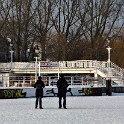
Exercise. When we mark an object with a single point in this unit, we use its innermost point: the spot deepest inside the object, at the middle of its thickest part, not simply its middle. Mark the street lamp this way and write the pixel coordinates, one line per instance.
(36, 69)
(28, 54)
(11, 51)
(109, 57)
(37, 64)
(109, 49)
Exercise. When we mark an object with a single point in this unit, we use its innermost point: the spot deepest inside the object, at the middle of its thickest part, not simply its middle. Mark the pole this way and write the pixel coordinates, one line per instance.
(36, 69)
(11, 52)
(58, 69)
(109, 53)
(109, 59)
(39, 68)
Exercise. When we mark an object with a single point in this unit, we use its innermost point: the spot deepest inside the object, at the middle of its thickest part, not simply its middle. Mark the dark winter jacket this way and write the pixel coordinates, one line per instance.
(62, 85)
(39, 85)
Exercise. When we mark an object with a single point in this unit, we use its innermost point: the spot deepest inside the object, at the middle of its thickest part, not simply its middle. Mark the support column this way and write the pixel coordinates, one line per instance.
(72, 79)
(49, 81)
(95, 75)
(39, 68)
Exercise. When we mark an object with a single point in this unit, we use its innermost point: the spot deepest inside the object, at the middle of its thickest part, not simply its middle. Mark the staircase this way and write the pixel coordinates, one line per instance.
(103, 69)
(111, 70)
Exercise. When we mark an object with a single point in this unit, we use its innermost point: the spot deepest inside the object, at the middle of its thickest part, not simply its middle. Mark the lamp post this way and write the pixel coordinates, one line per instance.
(37, 64)
(108, 81)
(28, 55)
(11, 51)
(109, 49)
(36, 69)
(11, 56)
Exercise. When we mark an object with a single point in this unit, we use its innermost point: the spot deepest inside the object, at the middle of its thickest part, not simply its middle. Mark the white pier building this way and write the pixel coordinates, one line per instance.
(77, 72)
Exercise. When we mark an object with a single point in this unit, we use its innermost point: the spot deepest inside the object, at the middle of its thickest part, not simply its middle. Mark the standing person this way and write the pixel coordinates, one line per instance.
(62, 85)
(39, 85)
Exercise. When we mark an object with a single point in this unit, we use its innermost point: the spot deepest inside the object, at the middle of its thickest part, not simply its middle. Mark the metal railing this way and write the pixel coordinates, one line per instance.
(28, 81)
(102, 66)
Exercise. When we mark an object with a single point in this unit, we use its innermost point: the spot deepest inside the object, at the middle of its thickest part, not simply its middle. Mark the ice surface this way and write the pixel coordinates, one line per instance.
(81, 110)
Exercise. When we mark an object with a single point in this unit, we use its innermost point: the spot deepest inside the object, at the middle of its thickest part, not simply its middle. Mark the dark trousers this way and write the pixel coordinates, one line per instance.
(38, 99)
(64, 102)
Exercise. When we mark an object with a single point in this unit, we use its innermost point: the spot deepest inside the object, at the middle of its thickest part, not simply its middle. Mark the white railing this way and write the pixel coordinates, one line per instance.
(28, 81)
(115, 71)
(62, 64)
(100, 65)
(17, 65)
(78, 64)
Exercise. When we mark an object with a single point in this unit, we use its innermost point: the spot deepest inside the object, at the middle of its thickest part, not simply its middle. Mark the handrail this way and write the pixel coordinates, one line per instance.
(17, 65)
(78, 64)
(117, 69)
(103, 68)
(100, 65)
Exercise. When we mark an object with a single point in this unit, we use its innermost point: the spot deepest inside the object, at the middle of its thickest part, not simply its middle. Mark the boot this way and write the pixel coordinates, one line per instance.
(60, 105)
(64, 103)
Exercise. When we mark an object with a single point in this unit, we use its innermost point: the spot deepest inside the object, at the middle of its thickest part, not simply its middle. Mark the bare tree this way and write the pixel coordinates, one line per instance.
(19, 27)
(42, 24)
(99, 22)
(64, 19)
(5, 6)
(64, 29)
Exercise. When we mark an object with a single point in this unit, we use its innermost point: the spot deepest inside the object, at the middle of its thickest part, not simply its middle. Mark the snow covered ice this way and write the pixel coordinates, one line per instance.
(81, 110)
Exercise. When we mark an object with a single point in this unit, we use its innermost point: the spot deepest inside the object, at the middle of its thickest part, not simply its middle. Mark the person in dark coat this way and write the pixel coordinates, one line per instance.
(62, 85)
(39, 85)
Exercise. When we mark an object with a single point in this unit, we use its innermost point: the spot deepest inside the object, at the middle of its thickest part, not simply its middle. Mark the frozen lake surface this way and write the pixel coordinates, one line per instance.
(81, 110)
